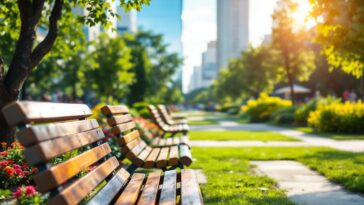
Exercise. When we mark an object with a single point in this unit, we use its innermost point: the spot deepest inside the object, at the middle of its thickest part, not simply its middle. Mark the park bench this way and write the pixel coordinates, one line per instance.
(163, 124)
(50, 130)
(171, 154)
(168, 117)
(173, 111)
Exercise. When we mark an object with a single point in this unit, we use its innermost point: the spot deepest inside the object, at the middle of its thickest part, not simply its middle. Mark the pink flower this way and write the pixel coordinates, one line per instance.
(18, 192)
(30, 190)
(3, 153)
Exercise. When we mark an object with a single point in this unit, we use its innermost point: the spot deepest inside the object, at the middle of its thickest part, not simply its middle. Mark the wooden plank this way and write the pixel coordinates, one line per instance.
(111, 189)
(176, 140)
(78, 190)
(162, 157)
(184, 140)
(169, 142)
(114, 110)
(150, 191)
(47, 150)
(151, 159)
(142, 156)
(119, 129)
(133, 154)
(24, 112)
(40, 133)
(169, 187)
(155, 141)
(119, 119)
(131, 191)
(190, 190)
(162, 142)
(173, 156)
(128, 147)
(60, 173)
(185, 155)
(129, 137)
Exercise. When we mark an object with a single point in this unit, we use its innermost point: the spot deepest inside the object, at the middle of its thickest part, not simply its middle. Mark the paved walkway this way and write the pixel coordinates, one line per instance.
(306, 139)
(304, 186)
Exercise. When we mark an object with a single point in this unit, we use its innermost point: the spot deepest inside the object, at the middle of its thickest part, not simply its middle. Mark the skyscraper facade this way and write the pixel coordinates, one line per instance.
(232, 29)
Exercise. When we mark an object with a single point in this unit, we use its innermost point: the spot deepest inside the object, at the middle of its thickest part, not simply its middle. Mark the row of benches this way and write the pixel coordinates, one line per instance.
(49, 130)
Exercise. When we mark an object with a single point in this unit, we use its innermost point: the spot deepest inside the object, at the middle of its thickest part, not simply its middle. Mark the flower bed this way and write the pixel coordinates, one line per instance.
(338, 118)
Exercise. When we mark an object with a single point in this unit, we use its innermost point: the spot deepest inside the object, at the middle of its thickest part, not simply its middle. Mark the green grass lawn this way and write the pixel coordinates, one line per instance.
(203, 122)
(238, 135)
(334, 136)
(231, 181)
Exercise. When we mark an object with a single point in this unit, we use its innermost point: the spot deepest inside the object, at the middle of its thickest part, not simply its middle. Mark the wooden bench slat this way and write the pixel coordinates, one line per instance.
(162, 158)
(169, 187)
(142, 156)
(131, 191)
(78, 190)
(114, 109)
(39, 133)
(176, 140)
(128, 137)
(150, 191)
(190, 190)
(155, 141)
(162, 142)
(128, 147)
(47, 150)
(150, 161)
(173, 156)
(169, 141)
(133, 154)
(111, 189)
(119, 129)
(184, 140)
(25, 112)
(118, 119)
(60, 173)
(185, 155)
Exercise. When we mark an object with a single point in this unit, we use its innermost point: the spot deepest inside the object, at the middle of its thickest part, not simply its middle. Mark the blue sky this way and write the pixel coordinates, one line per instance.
(163, 17)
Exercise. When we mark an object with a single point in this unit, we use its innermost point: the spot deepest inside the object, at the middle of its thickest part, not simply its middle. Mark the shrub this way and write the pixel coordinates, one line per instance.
(141, 109)
(284, 115)
(13, 168)
(339, 118)
(261, 109)
(302, 113)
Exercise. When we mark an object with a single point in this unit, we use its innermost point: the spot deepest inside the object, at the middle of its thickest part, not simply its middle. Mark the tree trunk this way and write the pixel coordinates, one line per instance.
(7, 132)
(291, 88)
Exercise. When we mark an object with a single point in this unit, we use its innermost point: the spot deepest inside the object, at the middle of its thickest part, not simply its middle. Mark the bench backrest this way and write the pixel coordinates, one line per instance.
(124, 130)
(160, 121)
(164, 113)
(50, 130)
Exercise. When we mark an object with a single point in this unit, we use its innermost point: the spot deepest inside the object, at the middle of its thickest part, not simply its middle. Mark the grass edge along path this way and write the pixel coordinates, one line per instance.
(230, 180)
(334, 136)
(244, 135)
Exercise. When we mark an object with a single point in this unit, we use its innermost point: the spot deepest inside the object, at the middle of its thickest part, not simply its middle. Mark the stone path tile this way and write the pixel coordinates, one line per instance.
(304, 186)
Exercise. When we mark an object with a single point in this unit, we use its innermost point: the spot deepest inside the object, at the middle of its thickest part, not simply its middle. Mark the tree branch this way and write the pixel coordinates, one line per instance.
(45, 46)
(2, 69)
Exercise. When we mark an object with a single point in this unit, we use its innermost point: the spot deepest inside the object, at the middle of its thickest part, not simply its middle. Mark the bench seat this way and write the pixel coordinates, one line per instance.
(161, 142)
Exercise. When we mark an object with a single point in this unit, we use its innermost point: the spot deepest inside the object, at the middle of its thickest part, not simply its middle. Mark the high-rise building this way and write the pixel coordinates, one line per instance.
(209, 64)
(127, 21)
(196, 79)
(232, 29)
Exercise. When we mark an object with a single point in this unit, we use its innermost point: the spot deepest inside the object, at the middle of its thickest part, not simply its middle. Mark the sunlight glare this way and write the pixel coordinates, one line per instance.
(302, 15)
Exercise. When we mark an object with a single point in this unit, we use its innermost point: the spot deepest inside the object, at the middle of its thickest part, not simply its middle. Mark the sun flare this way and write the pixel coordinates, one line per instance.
(302, 15)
